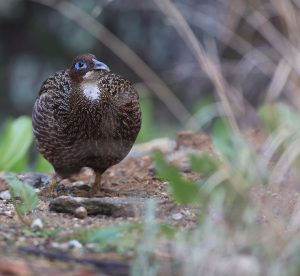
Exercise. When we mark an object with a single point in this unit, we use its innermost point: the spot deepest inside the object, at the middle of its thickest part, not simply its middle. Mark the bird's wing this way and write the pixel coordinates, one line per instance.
(53, 95)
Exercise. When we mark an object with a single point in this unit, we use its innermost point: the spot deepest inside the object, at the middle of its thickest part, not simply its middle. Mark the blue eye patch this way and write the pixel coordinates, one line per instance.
(79, 65)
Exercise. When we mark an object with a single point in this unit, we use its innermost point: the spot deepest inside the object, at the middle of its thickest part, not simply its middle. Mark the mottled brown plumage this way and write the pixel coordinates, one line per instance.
(85, 116)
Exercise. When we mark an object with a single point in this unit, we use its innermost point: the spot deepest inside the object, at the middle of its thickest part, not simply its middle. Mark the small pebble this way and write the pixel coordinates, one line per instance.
(80, 212)
(5, 195)
(74, 244)
(37, 224)
(177, 216)
(61, 246)
(9, 213)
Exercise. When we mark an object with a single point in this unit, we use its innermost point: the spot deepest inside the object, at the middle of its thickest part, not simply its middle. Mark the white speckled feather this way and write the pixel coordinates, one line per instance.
(91, 91)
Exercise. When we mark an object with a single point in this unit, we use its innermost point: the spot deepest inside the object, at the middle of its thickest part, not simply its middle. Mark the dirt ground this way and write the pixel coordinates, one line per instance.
(26, 253)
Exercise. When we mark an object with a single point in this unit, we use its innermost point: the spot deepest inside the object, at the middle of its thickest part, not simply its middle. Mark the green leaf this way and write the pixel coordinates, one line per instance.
(225, 141)
(203, 164)
(27, 195)
(168, 231)
(119, 238)
(183, 191)
(16, 141)
(42, 165)
(146, 133)
(21, 165)
(104, 234)
(239, 154)
(273, 116)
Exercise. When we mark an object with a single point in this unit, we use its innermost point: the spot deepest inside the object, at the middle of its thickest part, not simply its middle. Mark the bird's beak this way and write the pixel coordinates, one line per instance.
(98, 65)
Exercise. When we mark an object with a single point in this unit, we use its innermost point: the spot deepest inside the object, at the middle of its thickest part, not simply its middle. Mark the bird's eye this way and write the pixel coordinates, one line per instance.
(79, 65)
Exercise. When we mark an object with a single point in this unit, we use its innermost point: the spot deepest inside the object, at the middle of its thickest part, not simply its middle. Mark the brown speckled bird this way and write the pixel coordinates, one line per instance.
(86, 116)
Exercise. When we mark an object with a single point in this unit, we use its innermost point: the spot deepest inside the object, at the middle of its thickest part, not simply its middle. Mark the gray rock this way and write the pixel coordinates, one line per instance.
(165, 145)
(74, 244)
(37, 224)
(108, 206)
(177, 216)
(5, 195)
(36, 180)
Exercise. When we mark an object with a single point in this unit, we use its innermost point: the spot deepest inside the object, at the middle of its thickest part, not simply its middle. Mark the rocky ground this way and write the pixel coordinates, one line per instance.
(126, 188)
(51, 246)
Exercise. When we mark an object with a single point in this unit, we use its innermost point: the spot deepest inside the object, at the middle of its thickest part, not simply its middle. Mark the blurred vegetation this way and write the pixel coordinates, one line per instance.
(229, 212)
(24, 198)
(15, 142)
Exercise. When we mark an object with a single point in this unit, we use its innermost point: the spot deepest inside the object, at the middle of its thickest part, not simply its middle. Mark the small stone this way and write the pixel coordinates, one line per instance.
(37, 224)
(36, 242)
(165, 145)
(177, 216)
(36, 180)
(61, 246)
(74, 244)
(80, 212)
(9, 213)
(5, 195)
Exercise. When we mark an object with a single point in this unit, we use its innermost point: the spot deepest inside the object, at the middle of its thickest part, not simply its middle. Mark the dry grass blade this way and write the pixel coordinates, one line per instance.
(279, 81)
(285, 162)
(121, 50)
(253, 55)
(178, 21)
(285, 48)
(273, 142)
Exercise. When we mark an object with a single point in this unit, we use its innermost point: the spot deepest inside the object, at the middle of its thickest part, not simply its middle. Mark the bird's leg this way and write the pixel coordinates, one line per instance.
(96, 186)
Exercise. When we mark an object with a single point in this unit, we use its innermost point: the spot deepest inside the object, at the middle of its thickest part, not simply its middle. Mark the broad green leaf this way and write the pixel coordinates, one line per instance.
(16, 141)
(21, 165)
(183, 191)
(204, 164)
(26, 194)
(42, 165)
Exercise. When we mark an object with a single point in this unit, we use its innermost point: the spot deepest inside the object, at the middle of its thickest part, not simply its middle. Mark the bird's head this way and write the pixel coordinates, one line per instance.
(86, 67)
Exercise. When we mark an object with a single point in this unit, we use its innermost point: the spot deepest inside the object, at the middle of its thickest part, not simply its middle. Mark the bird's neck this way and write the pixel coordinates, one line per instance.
(90, 91)
(84, 95)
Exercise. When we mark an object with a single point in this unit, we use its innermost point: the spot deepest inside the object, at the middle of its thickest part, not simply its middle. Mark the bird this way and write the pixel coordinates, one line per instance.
(85, 116)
